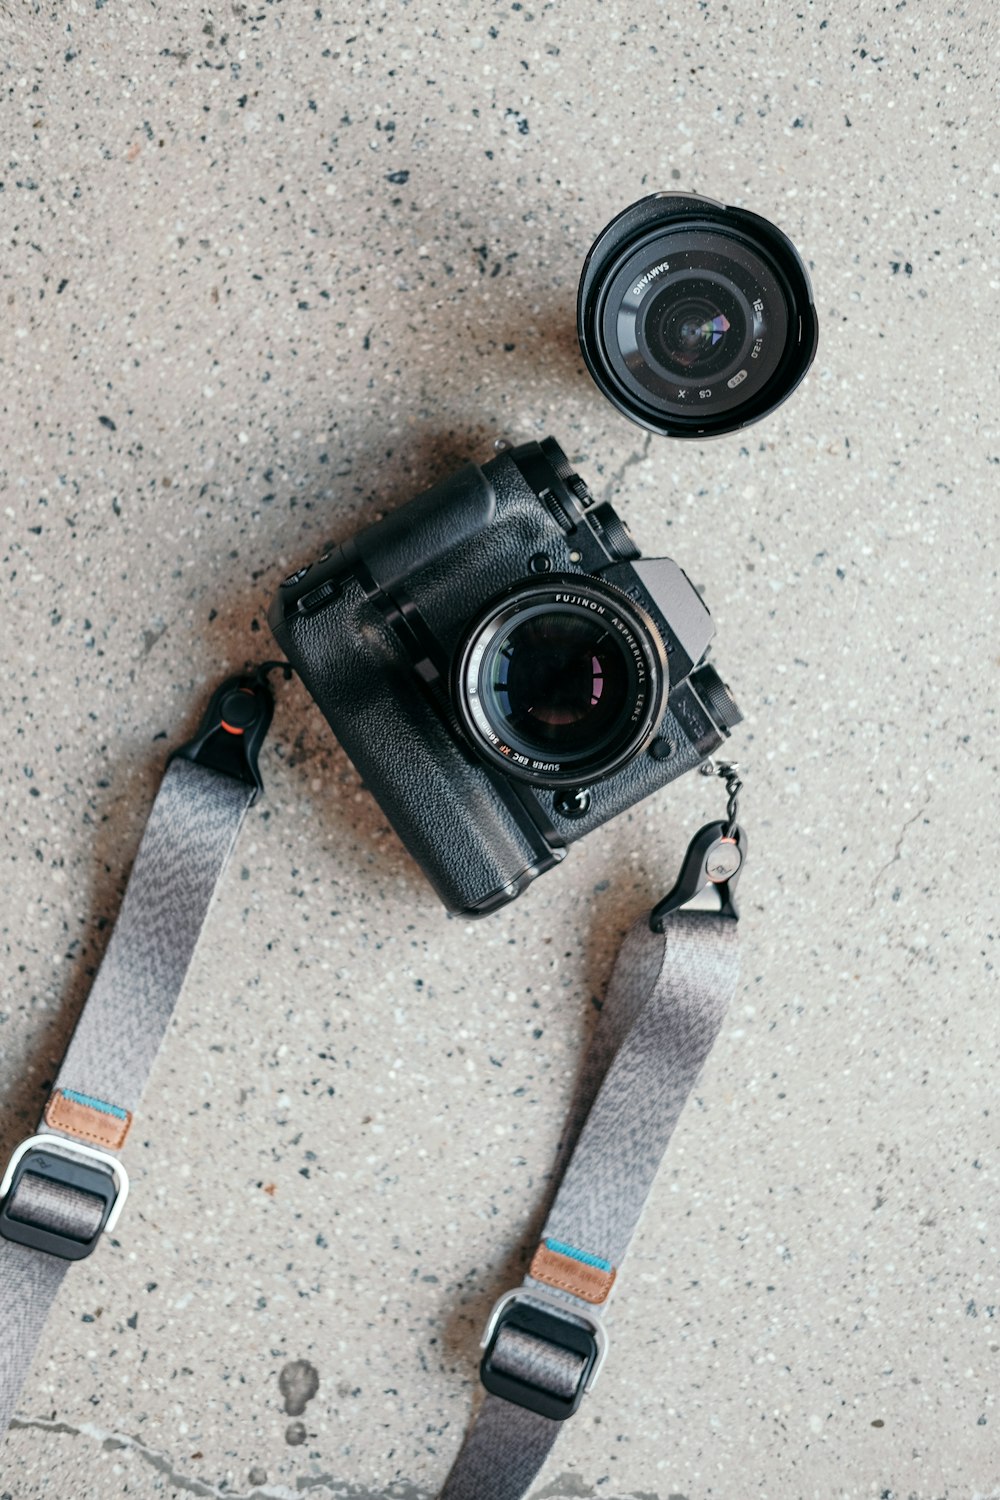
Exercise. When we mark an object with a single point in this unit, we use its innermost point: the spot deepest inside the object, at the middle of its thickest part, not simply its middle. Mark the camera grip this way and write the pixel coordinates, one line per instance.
(455, 511)
(442, 805)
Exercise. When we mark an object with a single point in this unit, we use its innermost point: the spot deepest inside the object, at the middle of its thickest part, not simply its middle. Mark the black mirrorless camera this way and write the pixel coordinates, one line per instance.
(503, 667)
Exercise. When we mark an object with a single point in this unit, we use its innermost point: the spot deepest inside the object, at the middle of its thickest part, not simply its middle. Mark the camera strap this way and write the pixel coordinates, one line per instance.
(65, 1186)
(546, 1341)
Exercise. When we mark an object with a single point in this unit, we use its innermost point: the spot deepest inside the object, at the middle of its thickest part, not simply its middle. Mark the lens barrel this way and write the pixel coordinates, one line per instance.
(561, 682)
(695, 319)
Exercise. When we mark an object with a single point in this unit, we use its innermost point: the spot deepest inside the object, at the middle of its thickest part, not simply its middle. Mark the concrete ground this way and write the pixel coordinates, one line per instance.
(268, 269)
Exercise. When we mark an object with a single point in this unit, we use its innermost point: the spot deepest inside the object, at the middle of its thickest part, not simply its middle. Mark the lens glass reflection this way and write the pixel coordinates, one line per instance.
(693, 329)
(559, 683)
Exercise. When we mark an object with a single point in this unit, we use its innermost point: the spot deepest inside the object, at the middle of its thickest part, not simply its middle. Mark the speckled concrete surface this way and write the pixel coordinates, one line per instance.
(269, 268)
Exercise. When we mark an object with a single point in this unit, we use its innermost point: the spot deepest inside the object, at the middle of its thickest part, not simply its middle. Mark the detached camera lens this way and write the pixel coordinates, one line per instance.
(561, 683)
(695, 319)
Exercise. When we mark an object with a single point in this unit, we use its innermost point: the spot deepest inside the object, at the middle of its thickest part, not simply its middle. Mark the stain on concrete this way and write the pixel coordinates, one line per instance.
(563, 1487)
(400, 1489)
(571, 1487)
(298, 1384)
(295, 1434)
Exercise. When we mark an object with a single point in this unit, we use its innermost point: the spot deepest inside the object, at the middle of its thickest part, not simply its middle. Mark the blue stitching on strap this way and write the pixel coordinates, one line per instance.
(559, 1248)
(92, 1103)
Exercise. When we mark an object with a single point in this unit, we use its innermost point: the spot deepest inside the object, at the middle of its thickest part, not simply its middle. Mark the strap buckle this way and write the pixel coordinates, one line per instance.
(83, 1170)
(551, 1326)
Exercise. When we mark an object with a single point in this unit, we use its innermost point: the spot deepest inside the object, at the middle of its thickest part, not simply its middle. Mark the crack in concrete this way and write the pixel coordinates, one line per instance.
(563, 1487)
(897, 851)
(162, 1463)
(114, 1441)
(611, 485)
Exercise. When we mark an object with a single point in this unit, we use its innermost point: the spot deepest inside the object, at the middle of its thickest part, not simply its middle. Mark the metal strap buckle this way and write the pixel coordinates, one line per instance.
(550, 1321)
(70, 1165)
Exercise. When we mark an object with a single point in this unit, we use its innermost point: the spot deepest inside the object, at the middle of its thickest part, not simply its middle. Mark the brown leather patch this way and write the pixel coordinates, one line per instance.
(85, 1122)
(589, 1283)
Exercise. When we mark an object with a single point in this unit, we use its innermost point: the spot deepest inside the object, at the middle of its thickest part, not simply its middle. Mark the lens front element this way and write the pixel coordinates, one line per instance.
(694, 322)
(561, 683)
(557, 681)
(688, 334)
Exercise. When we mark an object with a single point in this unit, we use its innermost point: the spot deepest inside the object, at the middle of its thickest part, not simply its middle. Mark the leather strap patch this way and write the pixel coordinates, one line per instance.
(589, 1279)
(88, 1119)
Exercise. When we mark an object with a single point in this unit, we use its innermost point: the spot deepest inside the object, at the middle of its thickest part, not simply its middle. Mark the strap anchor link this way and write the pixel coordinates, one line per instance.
(234, 725)
(714, 860)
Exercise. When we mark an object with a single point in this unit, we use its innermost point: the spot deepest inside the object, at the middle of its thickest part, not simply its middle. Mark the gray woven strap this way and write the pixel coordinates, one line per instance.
(688, 974)
(29, 1281)
(668, 995)
(505, 1449)
(185, 848)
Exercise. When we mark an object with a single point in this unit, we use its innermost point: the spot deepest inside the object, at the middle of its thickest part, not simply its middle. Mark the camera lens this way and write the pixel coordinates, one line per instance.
(561, 683)
(694, 318)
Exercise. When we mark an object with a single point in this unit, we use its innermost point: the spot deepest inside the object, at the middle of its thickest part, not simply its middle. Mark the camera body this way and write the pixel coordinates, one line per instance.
(404, 637)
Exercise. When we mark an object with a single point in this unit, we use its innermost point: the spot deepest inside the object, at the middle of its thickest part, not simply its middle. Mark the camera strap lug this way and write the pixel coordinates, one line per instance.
(65, 1186)
(714, 860)
(709, 875)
